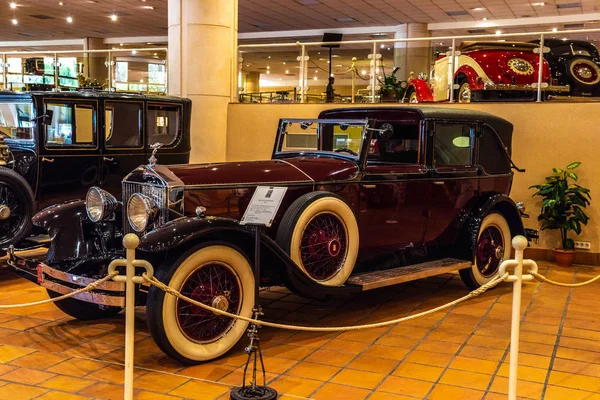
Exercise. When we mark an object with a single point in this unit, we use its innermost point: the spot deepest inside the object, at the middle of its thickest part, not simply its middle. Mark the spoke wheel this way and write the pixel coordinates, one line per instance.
(464, 93)
(491, 248)
(214, 274)
(16, 207)
(585, 72)
(324, 246)
(412, 98)
(218, 286)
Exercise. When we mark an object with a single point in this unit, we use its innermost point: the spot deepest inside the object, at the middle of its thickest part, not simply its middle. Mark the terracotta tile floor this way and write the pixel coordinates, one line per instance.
(461, 353)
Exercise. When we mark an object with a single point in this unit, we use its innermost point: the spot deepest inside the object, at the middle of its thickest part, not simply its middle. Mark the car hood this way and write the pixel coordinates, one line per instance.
(282, 171)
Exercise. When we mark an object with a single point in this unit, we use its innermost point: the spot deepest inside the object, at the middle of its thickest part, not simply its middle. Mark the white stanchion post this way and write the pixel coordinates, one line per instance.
(519, 243)
(130, 242)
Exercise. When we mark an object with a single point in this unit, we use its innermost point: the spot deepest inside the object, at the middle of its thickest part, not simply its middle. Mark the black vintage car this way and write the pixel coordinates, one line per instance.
(54, 146)
(373, 197)
(575, 63)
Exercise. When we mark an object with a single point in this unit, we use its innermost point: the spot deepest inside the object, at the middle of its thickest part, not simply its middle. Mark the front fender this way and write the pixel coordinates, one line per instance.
(190, 231)
(64, 224)
(422, 90)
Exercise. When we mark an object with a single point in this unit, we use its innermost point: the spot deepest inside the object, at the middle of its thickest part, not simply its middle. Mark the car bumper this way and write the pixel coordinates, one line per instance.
(108, 293)
(527, 88)
(507, 92)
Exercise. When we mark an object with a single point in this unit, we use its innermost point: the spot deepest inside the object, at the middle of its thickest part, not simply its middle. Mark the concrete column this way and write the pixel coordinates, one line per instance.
(412, 56)
(94, 66)
(203, 66)
(252, 82)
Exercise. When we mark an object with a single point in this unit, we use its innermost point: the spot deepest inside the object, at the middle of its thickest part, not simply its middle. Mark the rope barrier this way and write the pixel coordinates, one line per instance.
(494, 282)
(88, 288)
(542, 278)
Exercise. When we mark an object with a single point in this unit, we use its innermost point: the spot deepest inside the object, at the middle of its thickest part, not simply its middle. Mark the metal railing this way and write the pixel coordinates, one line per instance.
(375, 56)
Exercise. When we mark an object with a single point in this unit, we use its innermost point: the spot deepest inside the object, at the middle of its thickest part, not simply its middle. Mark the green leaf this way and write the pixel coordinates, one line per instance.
(557, 170)
(572, 175)
(573, 165)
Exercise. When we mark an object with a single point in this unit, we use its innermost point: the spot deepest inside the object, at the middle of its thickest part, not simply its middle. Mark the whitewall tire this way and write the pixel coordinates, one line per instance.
(215, 274)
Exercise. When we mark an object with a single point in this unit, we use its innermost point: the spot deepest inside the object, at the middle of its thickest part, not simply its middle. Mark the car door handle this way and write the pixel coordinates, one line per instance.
(50, 160)
(369, 186)
(109, 159)
(438, 182)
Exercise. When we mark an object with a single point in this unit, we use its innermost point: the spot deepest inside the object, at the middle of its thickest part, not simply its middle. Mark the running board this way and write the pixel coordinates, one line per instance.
(388, 277)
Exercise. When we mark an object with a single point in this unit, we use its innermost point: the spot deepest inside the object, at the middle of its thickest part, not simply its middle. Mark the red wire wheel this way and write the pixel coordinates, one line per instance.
(585, 71)
(324, 246)
(215, 285)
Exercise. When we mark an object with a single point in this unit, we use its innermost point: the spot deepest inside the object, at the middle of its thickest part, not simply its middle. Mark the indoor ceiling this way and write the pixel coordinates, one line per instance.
(47, 19)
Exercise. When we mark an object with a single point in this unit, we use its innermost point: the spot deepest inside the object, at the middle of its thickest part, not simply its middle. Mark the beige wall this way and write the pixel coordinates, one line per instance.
(546, 135)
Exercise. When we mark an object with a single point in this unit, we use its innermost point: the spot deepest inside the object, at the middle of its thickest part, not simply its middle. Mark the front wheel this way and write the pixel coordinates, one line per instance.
(411, 96)
(17, 205)
(464, 92)
(215, 274)
(492, 247)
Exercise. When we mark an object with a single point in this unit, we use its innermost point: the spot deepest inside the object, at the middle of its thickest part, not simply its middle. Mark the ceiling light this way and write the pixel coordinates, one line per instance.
(61, 3)
(113, 17)
(554, 29)
(120, 44)
(268, 67)
(141, 81)
(389, 48)
(134, 52)
(268, 72)
(484, 18)
(13, 5)
(156, 54)
(498, 32)
(70, 19)
(478, 9)
(345, 19)
(315, 78)
(538, 4)
(287, 71)
(363, 72)
(14, 21)
(382, 46)
(564, 39)
(148, 7)
(284, 63)
(269, 57)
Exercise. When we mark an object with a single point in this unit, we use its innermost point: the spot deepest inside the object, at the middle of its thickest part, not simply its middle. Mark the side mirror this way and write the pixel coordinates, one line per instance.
(45, 119)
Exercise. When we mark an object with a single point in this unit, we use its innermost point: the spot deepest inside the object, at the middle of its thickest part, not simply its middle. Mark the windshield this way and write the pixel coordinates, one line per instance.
(318, 135)
(15, 120)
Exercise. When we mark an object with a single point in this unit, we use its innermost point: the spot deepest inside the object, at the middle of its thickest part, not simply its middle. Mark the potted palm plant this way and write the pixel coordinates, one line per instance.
(563, 205)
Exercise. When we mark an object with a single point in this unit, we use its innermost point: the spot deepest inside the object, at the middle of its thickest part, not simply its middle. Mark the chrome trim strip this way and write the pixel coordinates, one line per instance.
(114, 301)
(78, 280)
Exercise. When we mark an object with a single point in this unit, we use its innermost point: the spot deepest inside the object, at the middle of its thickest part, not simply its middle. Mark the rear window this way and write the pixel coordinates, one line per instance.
(491, 155)
(163, 124)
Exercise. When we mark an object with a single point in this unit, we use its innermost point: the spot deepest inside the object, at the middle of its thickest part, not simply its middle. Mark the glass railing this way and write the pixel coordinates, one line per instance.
(557, 65)
(119, 69)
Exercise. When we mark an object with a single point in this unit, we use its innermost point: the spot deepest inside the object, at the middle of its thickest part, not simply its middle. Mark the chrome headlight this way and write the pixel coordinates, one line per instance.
(141, 212)
(99, 204)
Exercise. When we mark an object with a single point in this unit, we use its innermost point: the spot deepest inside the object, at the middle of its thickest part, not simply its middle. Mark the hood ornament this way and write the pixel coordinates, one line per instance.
(152, 161)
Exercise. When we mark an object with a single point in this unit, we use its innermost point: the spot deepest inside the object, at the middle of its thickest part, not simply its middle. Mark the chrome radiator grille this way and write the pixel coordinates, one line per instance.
(156, 193)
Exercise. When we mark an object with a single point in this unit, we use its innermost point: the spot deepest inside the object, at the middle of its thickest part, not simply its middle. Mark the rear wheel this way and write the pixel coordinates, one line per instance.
(492, 247)
(216, 275)
(17, 205)
(584, 73)
(411, 96)
(464, 92)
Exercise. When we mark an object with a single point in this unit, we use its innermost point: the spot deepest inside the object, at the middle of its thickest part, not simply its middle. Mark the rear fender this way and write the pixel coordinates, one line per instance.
(466, 71)
(422, 90)
(276, 265)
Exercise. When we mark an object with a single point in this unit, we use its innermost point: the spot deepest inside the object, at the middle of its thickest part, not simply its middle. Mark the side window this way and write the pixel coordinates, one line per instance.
(452, 144)
(398, 144)
(72, 125)
(162, 124)
(123, 121)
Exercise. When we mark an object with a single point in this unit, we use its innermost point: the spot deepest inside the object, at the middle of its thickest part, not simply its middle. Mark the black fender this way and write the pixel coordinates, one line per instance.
(185, 232)
(496, 203)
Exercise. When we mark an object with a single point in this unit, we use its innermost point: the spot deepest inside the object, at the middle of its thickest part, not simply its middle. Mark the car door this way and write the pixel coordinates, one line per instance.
(394, 190)
(123, 144)
(453, 173)
(69, 156)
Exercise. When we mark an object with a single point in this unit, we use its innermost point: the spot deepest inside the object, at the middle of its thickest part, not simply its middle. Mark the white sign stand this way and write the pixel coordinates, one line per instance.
(263, 206)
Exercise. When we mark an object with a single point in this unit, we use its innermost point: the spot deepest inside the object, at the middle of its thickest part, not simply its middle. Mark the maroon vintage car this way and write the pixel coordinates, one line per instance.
(486, 71)
(375, 197)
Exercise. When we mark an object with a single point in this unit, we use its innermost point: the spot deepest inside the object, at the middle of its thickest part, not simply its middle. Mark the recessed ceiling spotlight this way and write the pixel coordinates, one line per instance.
(268, 72)
(113, 17)
(70, 19)
(120, 44)
(287, 71)
(382, 46)
(134, 52)
(148, 7)
(60, 3)
(478, 9)
(554, 29)
(13, 5)
(484, 18)
(498, 32)
(564, 39)
(269, 57)
(538, 4)
(14, 21)
(284, 63)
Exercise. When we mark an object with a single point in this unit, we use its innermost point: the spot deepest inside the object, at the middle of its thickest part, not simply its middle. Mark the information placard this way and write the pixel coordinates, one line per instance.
(263, 206)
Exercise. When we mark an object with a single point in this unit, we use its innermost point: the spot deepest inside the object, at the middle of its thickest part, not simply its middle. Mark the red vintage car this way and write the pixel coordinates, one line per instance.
(485, 71)
(375, 197)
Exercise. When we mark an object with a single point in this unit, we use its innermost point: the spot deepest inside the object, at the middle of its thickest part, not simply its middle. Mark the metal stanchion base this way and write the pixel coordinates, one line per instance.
(260, 393)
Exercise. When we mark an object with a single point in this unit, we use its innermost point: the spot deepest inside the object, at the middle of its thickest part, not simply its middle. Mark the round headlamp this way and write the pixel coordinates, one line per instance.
(141, 212)
(99, 204)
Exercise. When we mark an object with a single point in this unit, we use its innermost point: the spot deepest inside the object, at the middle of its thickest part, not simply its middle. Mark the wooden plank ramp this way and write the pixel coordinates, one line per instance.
(388, 277)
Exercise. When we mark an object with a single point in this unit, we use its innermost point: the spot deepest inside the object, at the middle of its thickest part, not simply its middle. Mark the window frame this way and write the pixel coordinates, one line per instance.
(179, 137)
(141, 125)
(420, 149)
(73, 103)
(472, 145)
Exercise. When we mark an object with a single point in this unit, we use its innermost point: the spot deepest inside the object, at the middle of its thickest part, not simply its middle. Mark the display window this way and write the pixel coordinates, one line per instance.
(71, 125)
(163, 124)
(123, 124)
